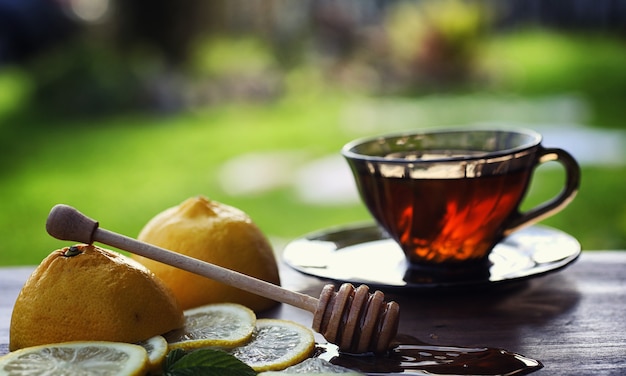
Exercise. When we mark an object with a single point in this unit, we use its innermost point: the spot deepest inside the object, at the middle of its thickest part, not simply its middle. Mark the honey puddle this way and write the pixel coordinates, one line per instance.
(413, 357)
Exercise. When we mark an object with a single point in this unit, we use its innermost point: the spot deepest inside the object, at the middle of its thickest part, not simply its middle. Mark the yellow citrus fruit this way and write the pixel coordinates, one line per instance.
(275, 345)
(216, 233)
(77, 358)
(157, 349)
(223, 325)
(87, 293)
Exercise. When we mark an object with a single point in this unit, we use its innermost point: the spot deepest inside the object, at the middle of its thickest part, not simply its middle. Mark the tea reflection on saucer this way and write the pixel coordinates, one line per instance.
(363, 253)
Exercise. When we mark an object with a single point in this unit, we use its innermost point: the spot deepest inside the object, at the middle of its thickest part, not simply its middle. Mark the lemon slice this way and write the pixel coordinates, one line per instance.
(275, 345)
(313, 366)
(77, 358)
(157, 349)
(223, 325)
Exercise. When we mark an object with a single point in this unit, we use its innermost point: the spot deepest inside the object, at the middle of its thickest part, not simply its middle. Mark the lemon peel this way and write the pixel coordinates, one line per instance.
(85, 358)
(88, 293)
(157, 349)
(217, 233)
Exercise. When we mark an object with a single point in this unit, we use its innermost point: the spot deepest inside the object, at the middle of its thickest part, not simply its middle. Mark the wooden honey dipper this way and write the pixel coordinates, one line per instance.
(351, 318)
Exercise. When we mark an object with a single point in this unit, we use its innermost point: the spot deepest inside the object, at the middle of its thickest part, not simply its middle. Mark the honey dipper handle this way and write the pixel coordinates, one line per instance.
(66, 223)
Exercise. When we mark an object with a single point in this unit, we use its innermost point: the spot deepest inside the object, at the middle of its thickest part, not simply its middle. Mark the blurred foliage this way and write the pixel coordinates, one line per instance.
(15, 90)
(164, 58)
(231, 56)
(437, 43)
(121, 131)
(84, 79)
(172, 58)
(123, 170)
(539, 63)
(226, 69)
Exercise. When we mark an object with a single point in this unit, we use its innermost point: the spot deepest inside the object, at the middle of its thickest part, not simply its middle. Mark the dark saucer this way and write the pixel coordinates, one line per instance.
(363, 253)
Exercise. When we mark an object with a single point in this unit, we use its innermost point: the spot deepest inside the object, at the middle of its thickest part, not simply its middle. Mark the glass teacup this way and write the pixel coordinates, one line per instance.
(447, 197)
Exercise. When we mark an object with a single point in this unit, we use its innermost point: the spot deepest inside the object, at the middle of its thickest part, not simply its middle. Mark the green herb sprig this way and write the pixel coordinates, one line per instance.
(204, 362)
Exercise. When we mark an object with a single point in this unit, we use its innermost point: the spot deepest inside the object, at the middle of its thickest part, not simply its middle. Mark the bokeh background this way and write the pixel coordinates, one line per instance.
(124, 108)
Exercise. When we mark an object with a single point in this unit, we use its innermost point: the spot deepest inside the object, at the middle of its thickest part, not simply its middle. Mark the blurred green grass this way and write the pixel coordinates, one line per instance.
(124, 169)
(539, 63)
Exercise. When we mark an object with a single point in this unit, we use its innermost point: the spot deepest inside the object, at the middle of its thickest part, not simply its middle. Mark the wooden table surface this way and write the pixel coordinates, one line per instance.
(573, 321)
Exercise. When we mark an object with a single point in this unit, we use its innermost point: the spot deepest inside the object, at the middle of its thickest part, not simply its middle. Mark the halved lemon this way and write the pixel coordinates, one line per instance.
(157, 349)
(224, 325)
(275, 345)
(77, 358)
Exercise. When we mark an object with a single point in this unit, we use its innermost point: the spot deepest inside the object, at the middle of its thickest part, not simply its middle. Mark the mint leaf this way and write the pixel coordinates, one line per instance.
(205, 362)
(206, 370)
(173, 357)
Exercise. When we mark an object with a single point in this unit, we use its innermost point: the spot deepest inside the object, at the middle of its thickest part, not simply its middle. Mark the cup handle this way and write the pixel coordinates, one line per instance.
(558, 203)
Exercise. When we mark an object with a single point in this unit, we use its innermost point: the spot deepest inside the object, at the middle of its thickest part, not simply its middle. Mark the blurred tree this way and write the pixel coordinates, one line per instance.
(434, 44)
(166, 27)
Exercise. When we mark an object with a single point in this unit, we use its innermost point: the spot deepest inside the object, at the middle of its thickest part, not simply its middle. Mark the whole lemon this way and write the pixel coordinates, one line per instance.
(216, 233)
(87, 293)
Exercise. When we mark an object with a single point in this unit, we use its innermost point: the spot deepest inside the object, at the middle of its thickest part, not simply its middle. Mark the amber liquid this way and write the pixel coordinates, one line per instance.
(444, 220)
(411, 356)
